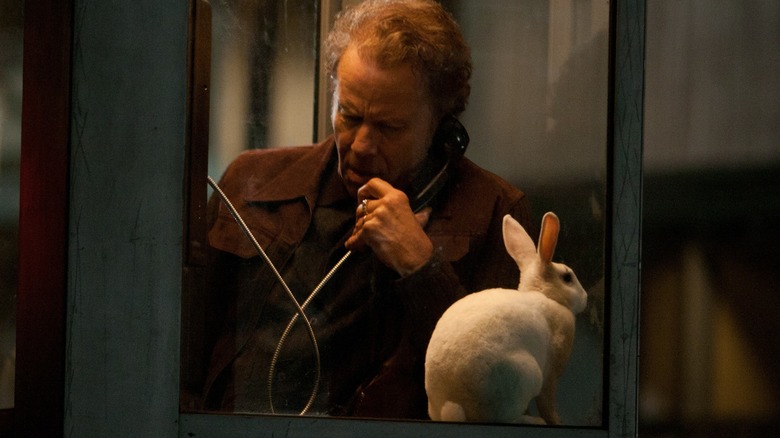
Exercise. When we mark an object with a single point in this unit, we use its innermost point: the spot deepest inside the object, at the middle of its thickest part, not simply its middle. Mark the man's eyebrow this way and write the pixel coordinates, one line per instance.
(394, 121)
(345, 106)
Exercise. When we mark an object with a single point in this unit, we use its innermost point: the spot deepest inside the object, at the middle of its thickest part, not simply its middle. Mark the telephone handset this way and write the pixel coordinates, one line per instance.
(448, 145)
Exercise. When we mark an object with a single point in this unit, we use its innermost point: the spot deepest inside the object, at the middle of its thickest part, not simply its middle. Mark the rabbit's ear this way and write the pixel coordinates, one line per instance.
(548, 236)
(518, 243)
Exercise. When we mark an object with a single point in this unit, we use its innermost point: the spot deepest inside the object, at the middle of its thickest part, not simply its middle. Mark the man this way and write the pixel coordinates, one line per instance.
(398, 68)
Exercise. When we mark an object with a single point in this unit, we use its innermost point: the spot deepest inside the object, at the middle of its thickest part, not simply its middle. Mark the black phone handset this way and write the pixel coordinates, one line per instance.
(448, 145)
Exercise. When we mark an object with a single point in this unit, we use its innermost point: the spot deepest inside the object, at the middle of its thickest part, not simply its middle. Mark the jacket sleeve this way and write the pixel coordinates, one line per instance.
(427, 293)
(397, 390)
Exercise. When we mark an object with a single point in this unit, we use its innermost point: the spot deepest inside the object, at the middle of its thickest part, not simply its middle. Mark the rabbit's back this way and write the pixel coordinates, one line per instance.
(500, 318)
(487, 354)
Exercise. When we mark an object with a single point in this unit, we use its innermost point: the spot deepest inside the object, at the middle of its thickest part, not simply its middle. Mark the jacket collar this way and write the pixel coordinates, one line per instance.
(300, 177)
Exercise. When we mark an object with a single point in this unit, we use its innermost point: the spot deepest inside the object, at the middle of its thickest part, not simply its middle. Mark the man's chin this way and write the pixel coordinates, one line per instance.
(352, 190)
(352, 186)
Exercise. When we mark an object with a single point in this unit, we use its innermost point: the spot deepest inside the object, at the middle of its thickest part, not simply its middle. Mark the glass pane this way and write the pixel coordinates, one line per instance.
(263, 76)
(537, 117)
(10, 147)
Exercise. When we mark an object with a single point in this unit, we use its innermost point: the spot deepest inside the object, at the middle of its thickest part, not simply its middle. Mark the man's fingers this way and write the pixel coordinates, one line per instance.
(423, 216)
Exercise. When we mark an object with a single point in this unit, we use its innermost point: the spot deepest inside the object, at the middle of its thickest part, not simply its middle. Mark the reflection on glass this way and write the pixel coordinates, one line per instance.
(10, 151)
(536, 117)
(263, 76)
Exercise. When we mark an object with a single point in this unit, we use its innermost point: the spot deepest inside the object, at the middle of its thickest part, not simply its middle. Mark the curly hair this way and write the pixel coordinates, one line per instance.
(418, 32)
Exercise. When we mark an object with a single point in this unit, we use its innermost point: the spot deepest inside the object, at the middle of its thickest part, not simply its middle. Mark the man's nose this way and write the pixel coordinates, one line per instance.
(365, 140)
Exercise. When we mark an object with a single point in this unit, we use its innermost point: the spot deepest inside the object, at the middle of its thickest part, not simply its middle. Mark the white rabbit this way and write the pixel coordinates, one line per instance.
(494, 351)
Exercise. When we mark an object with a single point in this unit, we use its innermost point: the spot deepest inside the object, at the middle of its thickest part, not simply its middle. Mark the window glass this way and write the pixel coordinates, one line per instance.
(537, 117)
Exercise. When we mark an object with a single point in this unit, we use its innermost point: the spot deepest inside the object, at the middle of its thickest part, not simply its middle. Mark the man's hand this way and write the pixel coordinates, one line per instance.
(386, 224)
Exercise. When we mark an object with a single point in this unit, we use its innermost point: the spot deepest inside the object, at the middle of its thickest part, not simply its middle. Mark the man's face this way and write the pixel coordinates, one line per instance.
(383, 121)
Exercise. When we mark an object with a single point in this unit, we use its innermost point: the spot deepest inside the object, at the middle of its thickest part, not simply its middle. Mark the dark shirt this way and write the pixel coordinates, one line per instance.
(340, 314)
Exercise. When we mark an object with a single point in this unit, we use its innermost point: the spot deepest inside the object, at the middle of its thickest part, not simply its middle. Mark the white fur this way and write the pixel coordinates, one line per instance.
(494, 351)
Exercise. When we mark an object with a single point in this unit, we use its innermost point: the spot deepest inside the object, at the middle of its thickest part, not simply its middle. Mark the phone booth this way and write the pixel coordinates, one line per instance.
(125, 106)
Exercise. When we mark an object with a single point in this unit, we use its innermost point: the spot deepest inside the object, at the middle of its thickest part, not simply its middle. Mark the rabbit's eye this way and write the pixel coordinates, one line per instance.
(567, 277)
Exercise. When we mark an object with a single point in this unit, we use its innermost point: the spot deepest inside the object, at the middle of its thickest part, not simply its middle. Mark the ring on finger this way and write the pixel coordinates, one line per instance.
(364, 207)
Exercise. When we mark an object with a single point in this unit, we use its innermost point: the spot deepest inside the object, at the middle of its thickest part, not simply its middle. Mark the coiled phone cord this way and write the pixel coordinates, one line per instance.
(298, 307)
(289, 327)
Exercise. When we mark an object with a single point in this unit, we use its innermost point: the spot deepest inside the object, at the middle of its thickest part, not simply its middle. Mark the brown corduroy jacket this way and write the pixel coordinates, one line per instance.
(276, 190)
